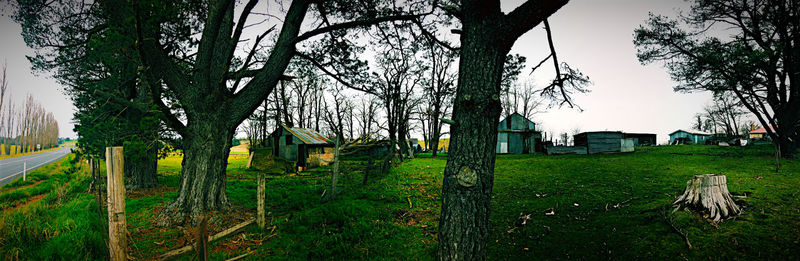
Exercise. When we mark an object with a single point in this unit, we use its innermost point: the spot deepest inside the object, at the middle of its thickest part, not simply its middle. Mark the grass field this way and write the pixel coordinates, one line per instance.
(606, 207)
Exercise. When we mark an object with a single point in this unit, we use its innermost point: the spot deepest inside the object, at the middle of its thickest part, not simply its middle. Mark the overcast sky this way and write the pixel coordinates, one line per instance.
(594, 36)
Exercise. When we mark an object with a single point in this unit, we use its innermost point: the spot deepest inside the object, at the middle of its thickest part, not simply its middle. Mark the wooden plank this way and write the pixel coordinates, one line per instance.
(117, 229)
(186, 249)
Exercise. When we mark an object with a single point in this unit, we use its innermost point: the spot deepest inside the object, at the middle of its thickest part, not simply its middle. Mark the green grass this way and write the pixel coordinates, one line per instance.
(606, 207)
(63, 225)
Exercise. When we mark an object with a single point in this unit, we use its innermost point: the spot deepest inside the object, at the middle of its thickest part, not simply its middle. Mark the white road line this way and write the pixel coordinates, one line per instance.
(32, 168)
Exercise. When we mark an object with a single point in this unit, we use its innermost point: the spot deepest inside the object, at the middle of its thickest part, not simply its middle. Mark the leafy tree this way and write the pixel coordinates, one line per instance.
(757, 60)
(205, 85)
(90, 49)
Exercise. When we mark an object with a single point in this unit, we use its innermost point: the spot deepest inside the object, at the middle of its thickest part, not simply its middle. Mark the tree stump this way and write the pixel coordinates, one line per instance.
(709, 195)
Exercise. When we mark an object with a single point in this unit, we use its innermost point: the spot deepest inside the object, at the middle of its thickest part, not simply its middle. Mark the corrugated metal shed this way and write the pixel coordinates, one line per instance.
(308, 136)
(641, 139)
(688, 136)
(517, 135)
(600, 141)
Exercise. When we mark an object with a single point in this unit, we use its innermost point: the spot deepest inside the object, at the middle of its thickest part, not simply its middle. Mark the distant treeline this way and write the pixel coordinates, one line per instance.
(24, 127)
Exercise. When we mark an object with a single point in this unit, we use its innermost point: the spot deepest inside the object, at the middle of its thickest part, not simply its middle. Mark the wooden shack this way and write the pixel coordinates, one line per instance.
(603, 142)
(641, 139)
(517, 135)
(688, 137)
(306, 147)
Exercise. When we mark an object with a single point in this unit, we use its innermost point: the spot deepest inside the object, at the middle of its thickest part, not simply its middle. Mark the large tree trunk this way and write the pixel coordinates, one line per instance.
(469, 174)
(203, 174)
(142, 170)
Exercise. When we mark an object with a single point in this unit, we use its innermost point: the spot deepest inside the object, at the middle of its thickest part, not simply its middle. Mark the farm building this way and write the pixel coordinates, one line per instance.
(688, 137)
(641, 139)
(517, 135)
(603, 141)
(306, 147)
(759, 134)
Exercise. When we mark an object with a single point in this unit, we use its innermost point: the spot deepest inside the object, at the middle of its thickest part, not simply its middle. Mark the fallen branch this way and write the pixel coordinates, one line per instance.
(186, 249)
(674, 228)
(240, 257)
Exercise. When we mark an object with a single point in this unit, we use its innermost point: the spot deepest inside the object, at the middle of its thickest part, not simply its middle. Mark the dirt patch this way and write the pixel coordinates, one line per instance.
(32, 200)
(174, 237)
(23, 187)
(148, 192)
(414, 217)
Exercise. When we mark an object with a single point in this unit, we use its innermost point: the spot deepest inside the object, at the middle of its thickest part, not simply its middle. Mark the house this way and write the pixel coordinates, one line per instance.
(306, 147)
(688, 137)
(517, 135)
(603, 142)
(760, 133)
(641, 139)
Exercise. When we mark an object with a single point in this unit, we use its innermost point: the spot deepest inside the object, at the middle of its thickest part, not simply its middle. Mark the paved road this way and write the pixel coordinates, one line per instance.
(12, 168)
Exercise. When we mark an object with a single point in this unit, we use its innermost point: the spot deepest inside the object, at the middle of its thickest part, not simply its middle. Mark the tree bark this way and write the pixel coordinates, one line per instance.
(486, 38)
(203, 176)
(142, 171)
(469, 173)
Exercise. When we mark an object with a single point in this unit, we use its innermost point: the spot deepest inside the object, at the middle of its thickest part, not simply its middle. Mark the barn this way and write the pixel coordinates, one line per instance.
(306, 147)
(517, 135)
(688, 137)
(641, 139)
(603, 142)
(760, 133)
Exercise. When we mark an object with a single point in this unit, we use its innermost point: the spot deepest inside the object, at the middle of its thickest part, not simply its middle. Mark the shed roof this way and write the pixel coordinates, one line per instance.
(695, 132)
(308, 136)
(761, 130)
(587, 132)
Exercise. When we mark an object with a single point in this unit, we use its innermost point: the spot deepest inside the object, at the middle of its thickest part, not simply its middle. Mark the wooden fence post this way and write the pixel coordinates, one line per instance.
(117, 229)
(260, 219)
(250, 160)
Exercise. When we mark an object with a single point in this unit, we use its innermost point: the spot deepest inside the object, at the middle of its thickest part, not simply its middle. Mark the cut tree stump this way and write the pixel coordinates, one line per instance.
(709, 195)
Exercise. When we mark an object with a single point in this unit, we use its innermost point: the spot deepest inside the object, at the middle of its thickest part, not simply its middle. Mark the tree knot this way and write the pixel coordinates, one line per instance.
(467, 177)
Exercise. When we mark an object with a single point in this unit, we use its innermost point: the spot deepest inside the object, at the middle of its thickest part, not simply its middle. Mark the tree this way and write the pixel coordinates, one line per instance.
(757, 60)
(3, 92)
(202, 86)
(398, 74)
(486, 38)
(366, 116)
(334, 117)
(724, 113)
(90, 49)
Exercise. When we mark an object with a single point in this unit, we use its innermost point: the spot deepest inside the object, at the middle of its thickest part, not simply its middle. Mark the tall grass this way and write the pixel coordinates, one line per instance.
(64, 225)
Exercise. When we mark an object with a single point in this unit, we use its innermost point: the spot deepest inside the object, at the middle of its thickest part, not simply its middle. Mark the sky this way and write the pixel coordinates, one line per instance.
(595, 36)
(22, 80)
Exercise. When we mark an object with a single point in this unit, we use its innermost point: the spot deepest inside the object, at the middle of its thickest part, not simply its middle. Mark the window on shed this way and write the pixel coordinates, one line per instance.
(289, 140)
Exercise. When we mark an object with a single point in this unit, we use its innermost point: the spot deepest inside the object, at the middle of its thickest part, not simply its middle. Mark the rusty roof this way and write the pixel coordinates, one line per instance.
(309, 136)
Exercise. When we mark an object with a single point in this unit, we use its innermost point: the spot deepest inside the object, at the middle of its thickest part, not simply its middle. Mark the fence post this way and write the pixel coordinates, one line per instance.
(117, 229)
(261, 197)
(24, 170)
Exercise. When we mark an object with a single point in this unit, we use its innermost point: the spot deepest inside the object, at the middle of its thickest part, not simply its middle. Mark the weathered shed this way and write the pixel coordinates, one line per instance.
(306, 147)
(517, 135)
(641, 139)
(603, 141)
(760, 133)
(688, 137)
